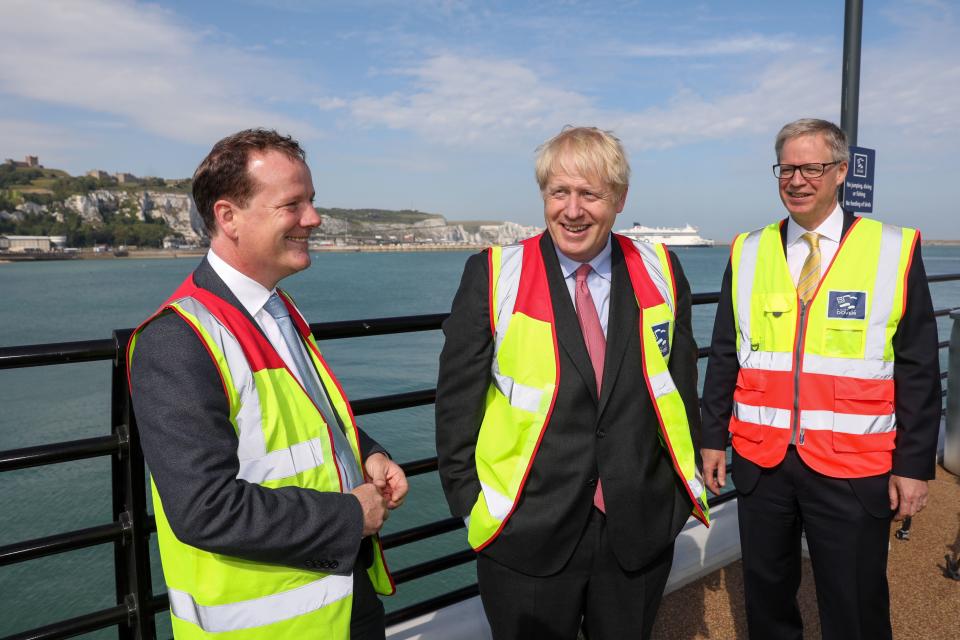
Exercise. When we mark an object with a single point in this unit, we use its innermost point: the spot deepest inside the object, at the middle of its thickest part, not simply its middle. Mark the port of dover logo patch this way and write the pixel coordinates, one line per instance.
(851, 305)
(662, 333)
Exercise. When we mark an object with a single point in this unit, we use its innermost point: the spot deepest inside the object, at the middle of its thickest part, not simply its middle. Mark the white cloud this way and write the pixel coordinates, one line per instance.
(912, 90)
(136, 62)
(774, 98)
(737, 45)
(490, 102)
(473, 102)
(329, 104)
(458, 100)
(21, 137)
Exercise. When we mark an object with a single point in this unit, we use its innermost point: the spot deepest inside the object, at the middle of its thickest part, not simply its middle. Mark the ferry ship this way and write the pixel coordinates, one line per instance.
(685, 236)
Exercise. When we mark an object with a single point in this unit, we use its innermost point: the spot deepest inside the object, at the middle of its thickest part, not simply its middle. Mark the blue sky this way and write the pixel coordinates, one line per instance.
(439, 105)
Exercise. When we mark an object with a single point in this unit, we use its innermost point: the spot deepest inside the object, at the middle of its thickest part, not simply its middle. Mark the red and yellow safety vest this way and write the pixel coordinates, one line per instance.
(526, 373)
(282, 440)
(821, 374)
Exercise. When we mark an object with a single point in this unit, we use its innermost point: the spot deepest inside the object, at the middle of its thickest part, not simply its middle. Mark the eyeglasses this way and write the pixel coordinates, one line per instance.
(809, 170)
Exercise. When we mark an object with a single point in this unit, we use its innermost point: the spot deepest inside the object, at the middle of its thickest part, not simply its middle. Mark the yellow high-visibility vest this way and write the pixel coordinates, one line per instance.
(283, 441)
(526, 374)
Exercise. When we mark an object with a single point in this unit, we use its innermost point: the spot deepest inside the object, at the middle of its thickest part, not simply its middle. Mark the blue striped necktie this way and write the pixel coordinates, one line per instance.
(351, 472)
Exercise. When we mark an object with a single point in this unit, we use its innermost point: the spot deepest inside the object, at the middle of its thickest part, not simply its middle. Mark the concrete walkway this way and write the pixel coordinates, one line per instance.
(924, 604)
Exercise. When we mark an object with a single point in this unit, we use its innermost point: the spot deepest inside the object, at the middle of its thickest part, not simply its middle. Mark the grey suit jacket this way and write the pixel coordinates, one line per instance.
(190, 447)
(613, 437)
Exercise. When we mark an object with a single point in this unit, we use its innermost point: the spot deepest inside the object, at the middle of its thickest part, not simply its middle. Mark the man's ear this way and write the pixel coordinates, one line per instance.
(841, 174)
(623, 199)
(225, 215)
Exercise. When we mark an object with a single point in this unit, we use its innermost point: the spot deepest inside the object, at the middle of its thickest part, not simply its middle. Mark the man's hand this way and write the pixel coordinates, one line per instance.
(388, 477)
(714, 469)
(374, 506)
(907, 495)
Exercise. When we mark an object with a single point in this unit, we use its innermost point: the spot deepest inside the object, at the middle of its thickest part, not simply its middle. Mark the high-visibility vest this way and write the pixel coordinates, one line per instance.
(526, 373)
(820, 374)
(282, 440)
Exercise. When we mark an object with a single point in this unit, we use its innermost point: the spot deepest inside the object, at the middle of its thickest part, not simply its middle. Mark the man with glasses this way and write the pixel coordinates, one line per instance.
(824, 369)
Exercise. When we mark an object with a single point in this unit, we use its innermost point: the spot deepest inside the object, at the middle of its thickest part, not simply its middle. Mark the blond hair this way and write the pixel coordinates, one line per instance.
(587, 152)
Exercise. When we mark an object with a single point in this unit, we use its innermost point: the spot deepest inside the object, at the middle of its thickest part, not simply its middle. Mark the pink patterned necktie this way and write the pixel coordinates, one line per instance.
(595, 340)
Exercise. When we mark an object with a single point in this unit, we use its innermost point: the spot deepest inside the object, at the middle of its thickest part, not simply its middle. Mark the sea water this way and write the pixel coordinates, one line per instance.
(46, 302)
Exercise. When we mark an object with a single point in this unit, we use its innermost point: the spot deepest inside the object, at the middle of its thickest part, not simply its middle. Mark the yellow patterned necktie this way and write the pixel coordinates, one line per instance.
(810, 273)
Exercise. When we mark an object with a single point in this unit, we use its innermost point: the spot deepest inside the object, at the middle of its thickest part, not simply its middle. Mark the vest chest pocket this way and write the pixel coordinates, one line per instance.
(843, 338)
(774, 321)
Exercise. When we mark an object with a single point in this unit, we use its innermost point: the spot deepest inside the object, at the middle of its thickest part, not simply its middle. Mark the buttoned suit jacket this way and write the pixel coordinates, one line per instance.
(190, 447)
(613, 437)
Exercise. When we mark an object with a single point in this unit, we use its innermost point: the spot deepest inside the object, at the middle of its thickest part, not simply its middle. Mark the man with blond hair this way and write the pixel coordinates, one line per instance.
(566, 407)
(824, 370)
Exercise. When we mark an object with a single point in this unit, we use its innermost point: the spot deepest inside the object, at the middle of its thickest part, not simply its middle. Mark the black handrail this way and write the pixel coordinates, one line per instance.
(132, 526)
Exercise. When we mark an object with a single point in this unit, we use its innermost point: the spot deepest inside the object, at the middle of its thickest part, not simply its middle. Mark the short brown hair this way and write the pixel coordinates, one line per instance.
(834, 136)
(223, 173)
(592, 151)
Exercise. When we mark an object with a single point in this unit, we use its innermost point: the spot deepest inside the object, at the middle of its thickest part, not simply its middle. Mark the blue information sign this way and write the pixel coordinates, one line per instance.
(858, 186)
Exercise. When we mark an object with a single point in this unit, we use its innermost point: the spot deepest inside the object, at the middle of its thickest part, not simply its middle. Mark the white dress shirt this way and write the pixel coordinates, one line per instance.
(830, 232)
(253, 296)
(598, 281)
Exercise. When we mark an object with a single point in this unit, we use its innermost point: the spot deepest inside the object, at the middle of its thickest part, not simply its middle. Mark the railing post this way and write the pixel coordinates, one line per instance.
(951, 439)
(132, 554)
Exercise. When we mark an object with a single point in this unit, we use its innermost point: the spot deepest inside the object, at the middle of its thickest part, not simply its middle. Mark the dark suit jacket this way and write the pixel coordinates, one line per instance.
(190, 446)
(916, 375)
(613, 438)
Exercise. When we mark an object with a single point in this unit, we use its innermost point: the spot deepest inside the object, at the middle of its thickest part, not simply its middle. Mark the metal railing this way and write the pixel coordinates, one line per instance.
(132, 525)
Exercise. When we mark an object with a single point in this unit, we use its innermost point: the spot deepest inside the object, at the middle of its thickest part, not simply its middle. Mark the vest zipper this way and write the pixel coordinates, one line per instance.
(796, 377)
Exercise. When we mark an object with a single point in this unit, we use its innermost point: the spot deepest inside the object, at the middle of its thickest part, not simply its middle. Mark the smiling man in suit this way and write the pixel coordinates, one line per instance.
(267, 495)
(566, 407)
(824, 370)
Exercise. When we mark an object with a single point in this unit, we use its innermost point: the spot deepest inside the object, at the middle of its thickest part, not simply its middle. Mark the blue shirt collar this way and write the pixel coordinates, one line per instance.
(601, 263)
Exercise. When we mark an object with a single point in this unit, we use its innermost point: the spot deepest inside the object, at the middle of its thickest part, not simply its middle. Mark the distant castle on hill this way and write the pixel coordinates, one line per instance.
(28, 161)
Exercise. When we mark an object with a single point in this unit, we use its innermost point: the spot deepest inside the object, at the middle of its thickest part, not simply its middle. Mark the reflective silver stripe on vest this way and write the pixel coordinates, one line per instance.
(662, 384)
(258, 612)
(283, 463)
(256, 464)
(498, 504)
(767, 416)
(518, 395)
(852, 423)
(884, 287)
(749, 251)
(252, 444)
(848, 367)
(768, 360)
(511, 260)
(655, 270)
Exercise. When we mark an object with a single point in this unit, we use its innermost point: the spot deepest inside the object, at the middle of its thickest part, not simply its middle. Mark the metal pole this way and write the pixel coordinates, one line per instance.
(850, 93)
(132, 555)
(951, 437)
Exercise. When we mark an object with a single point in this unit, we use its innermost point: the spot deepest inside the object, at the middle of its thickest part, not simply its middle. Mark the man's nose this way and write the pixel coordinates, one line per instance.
(797, 178)
(573, 205)
(311, 218)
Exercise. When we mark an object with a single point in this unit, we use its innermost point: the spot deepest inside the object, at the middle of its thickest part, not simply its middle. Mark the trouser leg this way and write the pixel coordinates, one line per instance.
(848, 550)
(523, 607)
(770, 543)
(367, 615)
(623, 604)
